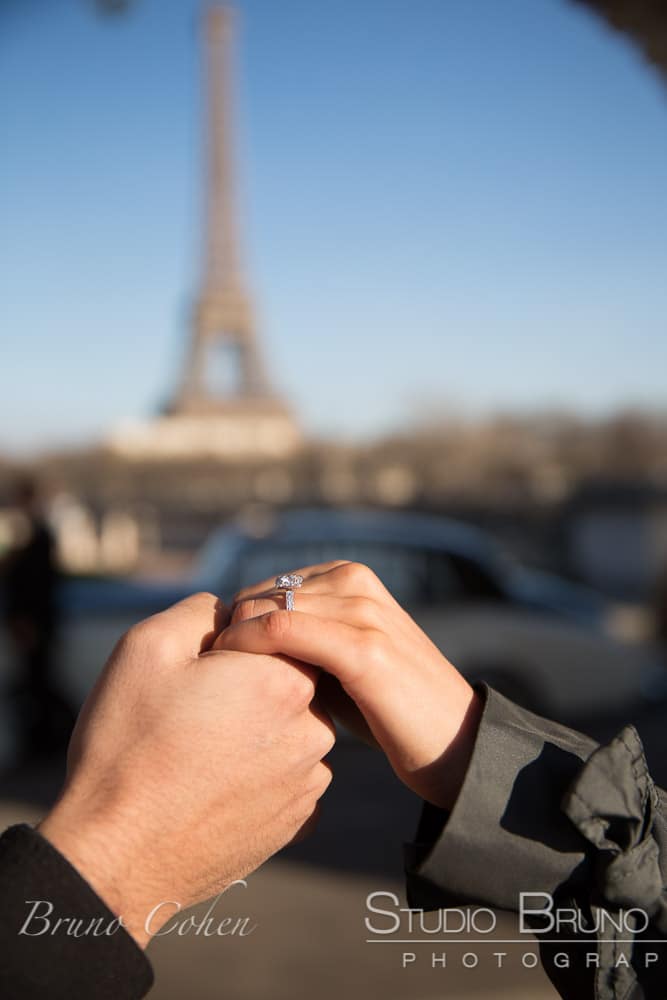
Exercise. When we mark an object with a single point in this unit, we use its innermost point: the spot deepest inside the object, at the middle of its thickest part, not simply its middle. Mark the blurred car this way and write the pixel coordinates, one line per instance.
(545, 642)
(541, 640)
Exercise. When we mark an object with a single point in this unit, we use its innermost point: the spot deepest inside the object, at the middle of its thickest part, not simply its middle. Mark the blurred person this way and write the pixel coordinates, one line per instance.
(187, 769)
(31, 614)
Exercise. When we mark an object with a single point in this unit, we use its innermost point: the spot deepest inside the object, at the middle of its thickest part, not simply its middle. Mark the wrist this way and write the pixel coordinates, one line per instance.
(458, 754)
(108, 862)
(440, 781)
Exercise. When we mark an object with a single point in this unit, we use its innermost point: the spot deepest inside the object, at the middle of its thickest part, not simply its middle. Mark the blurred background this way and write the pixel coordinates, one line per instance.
(369, 279)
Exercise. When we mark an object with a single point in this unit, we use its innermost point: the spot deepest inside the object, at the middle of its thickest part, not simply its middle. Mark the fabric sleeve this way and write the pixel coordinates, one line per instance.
(544, 810)
(88, 954)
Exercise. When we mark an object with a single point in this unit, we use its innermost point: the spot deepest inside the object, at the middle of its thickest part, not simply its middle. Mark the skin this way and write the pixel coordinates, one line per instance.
(390, 682)
(188, 766)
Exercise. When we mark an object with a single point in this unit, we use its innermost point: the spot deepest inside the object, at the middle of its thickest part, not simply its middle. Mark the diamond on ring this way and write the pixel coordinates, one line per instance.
(288, 580)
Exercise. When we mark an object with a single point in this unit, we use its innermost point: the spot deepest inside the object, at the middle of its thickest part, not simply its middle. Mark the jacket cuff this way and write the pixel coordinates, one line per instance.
(614, 804)
(508, 809)
(41, 959)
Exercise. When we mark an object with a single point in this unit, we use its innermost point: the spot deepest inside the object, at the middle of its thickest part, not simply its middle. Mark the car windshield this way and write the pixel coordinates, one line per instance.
(413, 575)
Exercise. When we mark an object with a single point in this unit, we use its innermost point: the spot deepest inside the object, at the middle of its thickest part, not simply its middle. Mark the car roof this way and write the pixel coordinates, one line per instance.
(413, 530)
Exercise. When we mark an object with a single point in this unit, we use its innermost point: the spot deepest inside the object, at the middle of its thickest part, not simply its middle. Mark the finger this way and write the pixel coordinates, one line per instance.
(360, 611)
(378, 610)
(345, 579)
(343, 650)
(324, 776)
(192, 624)
(242, 660)
(342, 709)
(269, 585)
(326, 726)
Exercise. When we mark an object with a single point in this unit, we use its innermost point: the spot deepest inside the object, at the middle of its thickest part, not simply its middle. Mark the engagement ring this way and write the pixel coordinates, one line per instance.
(289, 582)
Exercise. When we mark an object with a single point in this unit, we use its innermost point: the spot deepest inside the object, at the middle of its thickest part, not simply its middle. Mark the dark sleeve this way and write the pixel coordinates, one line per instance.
(87, 955)
(543, 810)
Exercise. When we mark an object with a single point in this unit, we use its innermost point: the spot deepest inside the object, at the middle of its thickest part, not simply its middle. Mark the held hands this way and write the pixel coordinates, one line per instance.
(196, 758)
(188, 767)
(418, 708)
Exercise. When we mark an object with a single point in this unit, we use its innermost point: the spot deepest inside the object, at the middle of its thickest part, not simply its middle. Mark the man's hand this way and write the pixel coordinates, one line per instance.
(418, 707)
(188, 768)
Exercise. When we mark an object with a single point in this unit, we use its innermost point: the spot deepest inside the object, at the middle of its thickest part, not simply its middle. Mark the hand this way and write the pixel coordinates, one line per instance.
(187, 768)
(418, 707)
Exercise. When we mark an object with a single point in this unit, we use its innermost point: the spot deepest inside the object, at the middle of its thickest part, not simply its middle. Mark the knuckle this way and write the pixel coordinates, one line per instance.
(366, 610)
(328, 740)
(374, 648)
(301, 686)
(142, 633)
(306, 686)
(277, 625)
(291, 686)
(148, 640)
(322, 779)
(319, 735)
(203, 597)
(245, 610)
(357, 575)
(165, 647)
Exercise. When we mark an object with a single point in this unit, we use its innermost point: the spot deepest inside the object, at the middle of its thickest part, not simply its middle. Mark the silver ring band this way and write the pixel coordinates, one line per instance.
(289, 582)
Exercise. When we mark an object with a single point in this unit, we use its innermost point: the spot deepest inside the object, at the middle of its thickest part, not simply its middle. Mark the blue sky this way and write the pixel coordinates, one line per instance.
(446, 204)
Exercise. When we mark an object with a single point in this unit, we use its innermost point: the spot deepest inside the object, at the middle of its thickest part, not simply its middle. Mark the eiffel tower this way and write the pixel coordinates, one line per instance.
(224, 404)
(224, 366)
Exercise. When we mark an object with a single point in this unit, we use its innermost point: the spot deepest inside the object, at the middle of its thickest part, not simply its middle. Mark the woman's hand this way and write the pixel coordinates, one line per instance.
(417, 706)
